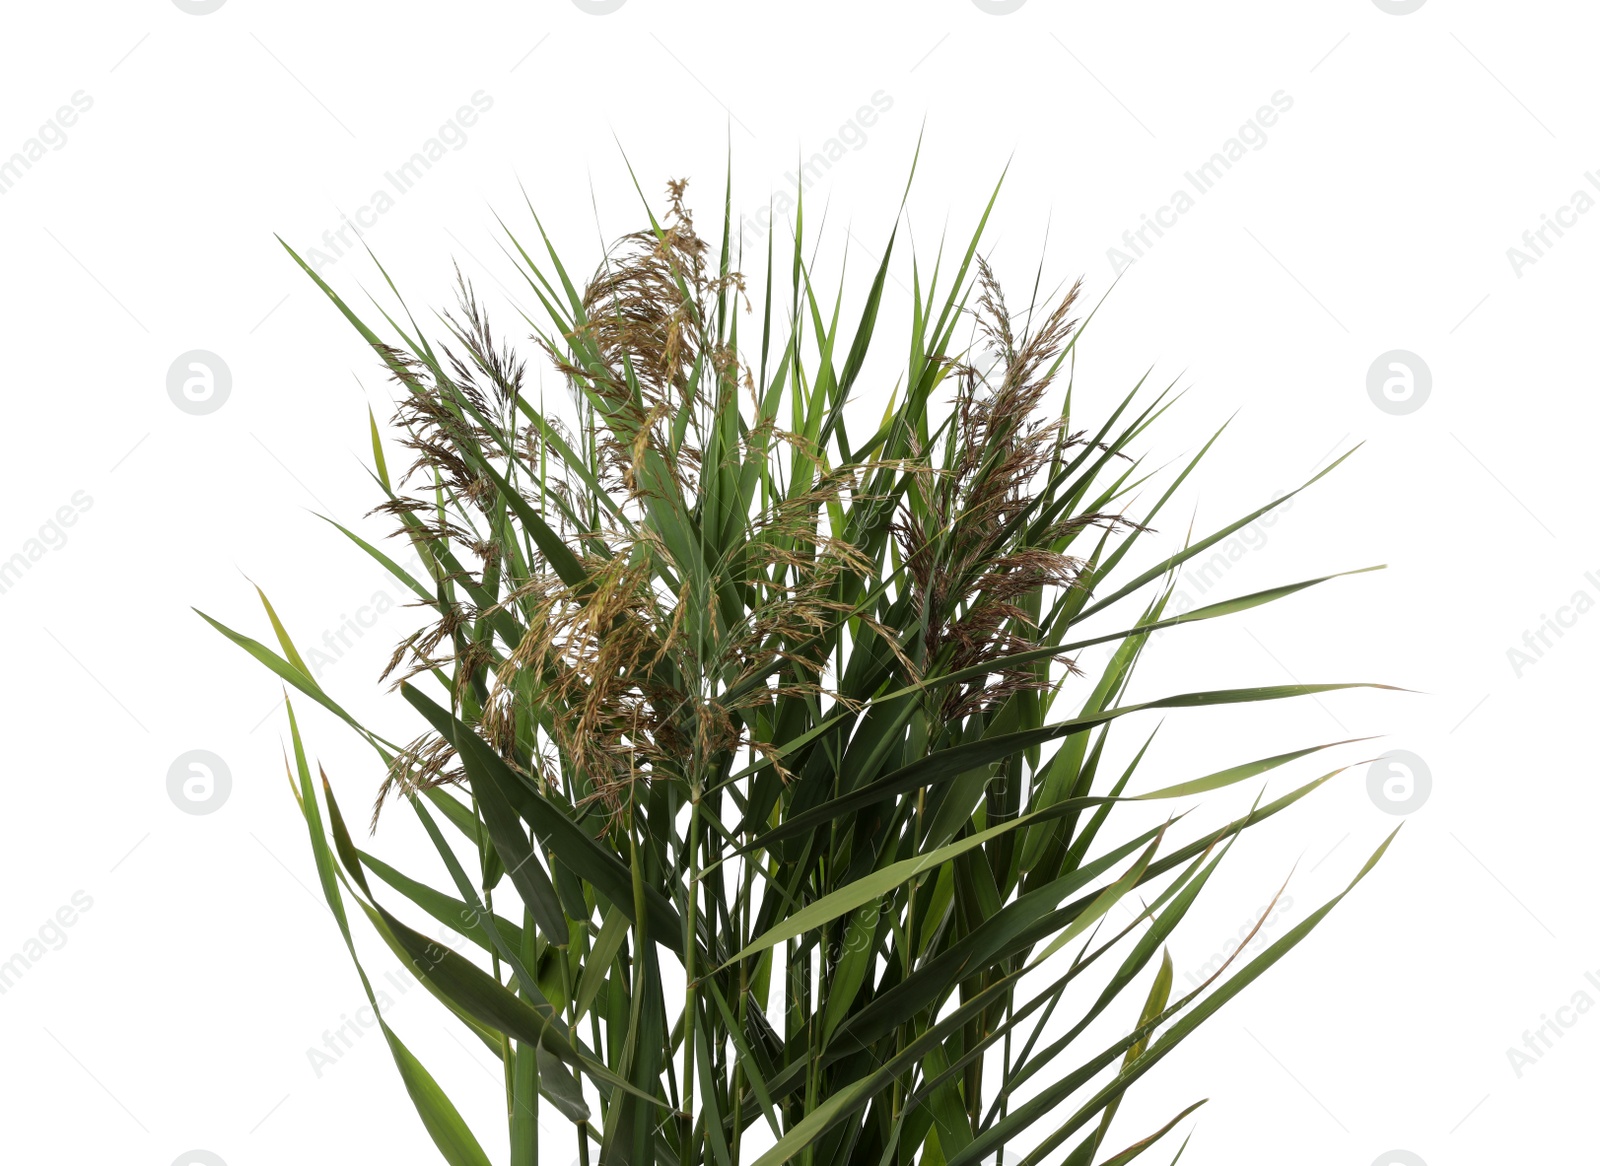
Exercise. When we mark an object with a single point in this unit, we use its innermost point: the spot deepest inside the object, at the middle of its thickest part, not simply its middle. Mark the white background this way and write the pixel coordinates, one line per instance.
(178, 1009)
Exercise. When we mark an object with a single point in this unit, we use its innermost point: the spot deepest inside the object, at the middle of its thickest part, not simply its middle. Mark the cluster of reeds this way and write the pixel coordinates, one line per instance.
(761, 752)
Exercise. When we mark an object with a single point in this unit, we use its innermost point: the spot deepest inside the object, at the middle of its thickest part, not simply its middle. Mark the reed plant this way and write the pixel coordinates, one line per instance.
(761, 745)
